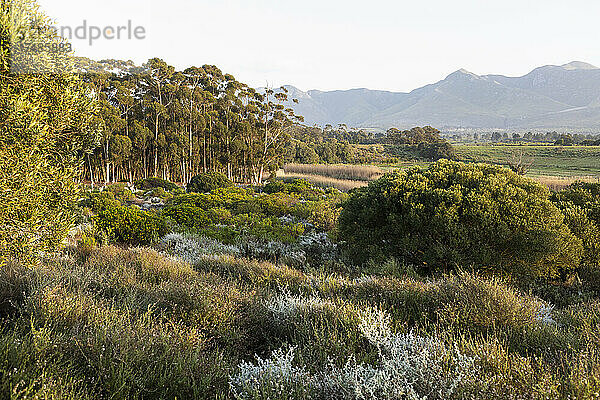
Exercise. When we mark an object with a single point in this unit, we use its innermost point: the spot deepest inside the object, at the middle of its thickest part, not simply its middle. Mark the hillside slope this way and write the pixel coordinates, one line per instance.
(557, 97)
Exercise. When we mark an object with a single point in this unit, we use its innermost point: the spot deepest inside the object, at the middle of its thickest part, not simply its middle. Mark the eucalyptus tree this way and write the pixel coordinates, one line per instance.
(181, 123)
(141, 138)
(124, 97)
(113, 124)
(230, 106)
(276, 121)
(194, 96)
(156, 78)
(120, 154)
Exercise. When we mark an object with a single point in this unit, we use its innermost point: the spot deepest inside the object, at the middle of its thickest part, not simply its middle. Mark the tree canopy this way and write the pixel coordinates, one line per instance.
(182, 123)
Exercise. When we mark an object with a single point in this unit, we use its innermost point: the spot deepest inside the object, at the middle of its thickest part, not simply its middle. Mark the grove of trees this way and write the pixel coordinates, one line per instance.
(65, 119)
(176, 124)
(355, 146)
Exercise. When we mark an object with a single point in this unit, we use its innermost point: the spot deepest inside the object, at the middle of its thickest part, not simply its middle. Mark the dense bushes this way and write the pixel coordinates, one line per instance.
(152, 183)
(208, 182)
(293, 218)
(454, 214)
(288, 211)
(129, 225)
(97, 201)
(120, 192)
(580, 203)
(48, 121)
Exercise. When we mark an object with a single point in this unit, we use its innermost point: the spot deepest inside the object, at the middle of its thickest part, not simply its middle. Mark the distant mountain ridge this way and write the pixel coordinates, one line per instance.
(565, 97)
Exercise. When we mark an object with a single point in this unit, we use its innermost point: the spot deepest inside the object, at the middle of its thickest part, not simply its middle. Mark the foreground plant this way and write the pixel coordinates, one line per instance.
(409, 367)
(48, 121)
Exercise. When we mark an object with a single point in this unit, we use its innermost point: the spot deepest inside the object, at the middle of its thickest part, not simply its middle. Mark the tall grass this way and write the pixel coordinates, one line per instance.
(557, 183)
(346, 171)
(347, 177)
(134, 323)
(343, 185)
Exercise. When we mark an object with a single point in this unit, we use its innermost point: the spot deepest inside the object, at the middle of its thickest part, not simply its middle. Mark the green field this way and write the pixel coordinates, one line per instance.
(546, 160)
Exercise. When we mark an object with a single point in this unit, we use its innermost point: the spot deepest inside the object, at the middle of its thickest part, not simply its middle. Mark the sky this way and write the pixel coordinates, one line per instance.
(342, 44)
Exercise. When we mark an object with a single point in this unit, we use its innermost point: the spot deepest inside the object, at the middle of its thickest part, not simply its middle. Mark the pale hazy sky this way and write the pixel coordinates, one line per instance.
(342, 44)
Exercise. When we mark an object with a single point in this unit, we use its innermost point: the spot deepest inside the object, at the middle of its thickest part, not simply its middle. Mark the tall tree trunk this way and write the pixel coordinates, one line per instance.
(91, 170)
(204, 152)
(156, 146)
(145, 174)
(130, 172)
(106, 164)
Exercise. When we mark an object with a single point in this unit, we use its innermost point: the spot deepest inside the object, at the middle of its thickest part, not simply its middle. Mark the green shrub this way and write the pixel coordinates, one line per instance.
(152, 183)
(130, 225)
(580, 203)
(288, 186)
(186, 215)
(579, 222)
(86, 243)
(97, 201)
(455, 214)
(120, 192)
(178, 191)
(48, 122)
(208, 182)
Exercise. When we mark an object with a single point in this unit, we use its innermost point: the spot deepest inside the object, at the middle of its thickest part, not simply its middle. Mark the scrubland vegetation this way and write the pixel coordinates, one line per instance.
(449, 280)
(133, 323)
(255, 293)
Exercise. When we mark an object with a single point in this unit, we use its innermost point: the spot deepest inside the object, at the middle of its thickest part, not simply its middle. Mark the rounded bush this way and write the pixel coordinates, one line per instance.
(208, 182)
(287, 186)
(152, 183)
(98, 201)
(129, 225)
(455, 214)
(580, 203)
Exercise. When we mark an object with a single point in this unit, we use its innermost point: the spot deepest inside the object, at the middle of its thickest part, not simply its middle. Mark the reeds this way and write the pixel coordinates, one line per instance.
(343, 185)
(347, 172)
(557, 183)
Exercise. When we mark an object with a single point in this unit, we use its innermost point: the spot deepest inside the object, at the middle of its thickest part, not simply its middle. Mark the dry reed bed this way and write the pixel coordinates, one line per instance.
(343, 185)
(348, 172)
(561, 182)
(347, 177)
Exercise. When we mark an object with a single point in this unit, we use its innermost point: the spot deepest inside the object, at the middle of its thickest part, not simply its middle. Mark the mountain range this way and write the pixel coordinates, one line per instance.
(563, 98)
